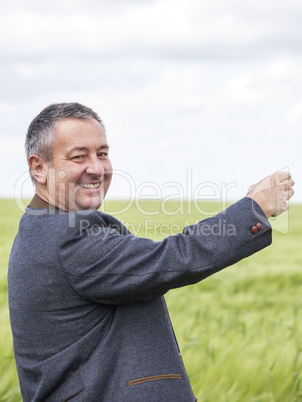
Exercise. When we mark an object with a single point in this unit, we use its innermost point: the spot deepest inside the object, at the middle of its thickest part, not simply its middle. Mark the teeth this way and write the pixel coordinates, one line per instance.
(89, 185)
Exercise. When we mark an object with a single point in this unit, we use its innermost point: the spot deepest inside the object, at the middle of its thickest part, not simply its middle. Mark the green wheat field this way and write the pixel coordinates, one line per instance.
(239, 331)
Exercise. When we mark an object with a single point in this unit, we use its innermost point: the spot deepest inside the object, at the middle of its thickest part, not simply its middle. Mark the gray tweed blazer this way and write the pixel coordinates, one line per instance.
(88, 316)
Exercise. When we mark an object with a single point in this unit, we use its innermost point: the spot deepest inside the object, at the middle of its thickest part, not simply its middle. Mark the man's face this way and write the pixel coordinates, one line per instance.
(80, 173)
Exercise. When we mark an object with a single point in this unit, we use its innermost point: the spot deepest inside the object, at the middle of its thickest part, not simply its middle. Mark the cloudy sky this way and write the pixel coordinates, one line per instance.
(199, 97)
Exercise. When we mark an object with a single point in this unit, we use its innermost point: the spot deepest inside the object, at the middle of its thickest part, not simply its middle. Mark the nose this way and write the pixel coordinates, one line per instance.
(95, 167)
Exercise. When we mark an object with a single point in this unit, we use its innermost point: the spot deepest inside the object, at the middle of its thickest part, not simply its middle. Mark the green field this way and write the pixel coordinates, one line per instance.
(239, 331)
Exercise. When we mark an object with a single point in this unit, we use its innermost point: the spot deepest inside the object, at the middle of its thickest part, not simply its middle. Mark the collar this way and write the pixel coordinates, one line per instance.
(37, 202)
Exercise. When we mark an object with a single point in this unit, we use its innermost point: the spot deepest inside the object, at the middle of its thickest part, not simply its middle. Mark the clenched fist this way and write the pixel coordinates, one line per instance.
(273, 192)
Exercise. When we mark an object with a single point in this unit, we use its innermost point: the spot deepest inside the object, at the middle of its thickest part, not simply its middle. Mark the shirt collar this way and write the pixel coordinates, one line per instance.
(37, 202)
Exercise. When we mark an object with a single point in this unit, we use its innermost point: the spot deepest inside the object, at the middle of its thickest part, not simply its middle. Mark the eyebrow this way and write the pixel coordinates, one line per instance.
(69, 153)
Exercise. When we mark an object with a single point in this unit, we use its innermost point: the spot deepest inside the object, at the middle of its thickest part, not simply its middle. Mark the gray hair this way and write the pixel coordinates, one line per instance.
(40, 135)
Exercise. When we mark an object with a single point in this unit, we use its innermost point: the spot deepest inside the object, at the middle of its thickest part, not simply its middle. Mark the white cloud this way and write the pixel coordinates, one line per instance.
(295, 113)
(213, 85)
(166, 28)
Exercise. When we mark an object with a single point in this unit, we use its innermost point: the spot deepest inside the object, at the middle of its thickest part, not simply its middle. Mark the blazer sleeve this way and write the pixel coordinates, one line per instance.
(105, 266)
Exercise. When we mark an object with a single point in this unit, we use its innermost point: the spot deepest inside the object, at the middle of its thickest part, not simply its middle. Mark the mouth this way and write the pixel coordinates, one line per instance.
(90, 185)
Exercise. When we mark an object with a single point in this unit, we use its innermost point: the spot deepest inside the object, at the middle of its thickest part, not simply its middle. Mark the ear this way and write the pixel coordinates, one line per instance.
(39, 168)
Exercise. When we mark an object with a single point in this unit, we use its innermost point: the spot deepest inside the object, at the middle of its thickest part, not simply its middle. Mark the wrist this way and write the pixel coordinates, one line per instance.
(263, 204)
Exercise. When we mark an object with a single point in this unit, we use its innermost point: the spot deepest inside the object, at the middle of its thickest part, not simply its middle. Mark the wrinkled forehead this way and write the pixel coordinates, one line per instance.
(71, 133)
(77, 124)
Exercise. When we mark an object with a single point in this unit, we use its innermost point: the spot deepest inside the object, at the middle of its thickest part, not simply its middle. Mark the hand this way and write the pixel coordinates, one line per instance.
(273, 192)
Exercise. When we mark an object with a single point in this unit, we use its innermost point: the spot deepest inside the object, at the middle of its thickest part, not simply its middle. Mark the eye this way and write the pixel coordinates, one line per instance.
(78, 157)
(102, 154)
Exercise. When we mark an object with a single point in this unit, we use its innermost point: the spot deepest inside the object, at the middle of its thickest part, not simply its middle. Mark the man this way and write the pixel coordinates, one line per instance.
(87, 311)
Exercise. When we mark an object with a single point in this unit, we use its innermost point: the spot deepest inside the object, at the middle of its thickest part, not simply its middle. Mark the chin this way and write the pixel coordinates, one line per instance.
(89, 204)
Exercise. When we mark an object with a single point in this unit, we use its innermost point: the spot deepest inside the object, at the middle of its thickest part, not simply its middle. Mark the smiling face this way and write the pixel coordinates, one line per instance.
(80, 173)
